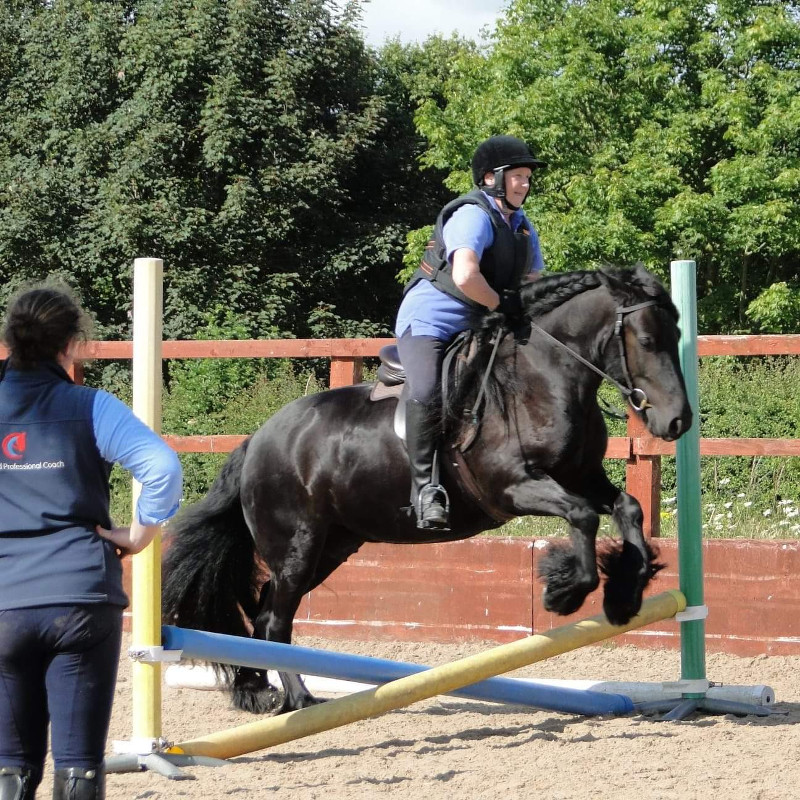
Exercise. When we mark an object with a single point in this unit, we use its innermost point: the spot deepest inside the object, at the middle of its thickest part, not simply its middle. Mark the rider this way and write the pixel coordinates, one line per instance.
(483, 248)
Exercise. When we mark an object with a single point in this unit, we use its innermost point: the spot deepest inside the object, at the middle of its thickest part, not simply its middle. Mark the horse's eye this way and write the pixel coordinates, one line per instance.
(646, 342)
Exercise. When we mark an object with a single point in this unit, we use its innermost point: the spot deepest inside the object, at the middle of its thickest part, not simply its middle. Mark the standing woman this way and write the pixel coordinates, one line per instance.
(61, 596)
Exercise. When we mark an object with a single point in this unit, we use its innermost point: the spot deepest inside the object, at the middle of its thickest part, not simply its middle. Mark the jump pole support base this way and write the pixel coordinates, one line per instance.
(166, 764)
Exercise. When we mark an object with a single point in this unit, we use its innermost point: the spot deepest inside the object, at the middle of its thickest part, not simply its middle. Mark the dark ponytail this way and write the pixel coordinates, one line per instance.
(40, 323)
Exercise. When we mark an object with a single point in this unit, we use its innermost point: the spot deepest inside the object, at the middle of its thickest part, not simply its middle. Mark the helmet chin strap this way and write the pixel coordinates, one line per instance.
(498, 190)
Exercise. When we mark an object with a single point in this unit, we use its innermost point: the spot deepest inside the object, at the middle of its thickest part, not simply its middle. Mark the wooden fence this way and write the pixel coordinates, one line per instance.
(640, 450)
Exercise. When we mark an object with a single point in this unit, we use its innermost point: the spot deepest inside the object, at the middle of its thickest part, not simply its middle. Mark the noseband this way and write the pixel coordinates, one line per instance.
(635, 396)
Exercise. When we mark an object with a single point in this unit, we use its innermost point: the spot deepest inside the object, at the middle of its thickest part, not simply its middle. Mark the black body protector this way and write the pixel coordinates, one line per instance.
(503, 264)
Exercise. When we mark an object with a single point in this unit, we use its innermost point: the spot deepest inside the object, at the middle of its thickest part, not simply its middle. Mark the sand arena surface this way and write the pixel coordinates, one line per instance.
(449, 748)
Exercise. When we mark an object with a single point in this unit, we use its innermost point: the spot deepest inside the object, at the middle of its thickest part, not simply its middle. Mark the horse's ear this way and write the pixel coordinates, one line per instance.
(611, 281)
(651, 285)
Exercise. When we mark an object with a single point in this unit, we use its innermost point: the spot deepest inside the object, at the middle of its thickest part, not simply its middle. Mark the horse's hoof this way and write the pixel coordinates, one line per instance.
(627, 575)
(561, 601)
(267, 700)
(620, 611)
(306, 701)
(564, 592)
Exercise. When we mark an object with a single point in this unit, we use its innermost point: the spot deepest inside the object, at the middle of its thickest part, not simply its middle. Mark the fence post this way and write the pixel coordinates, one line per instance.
(76, 372)
(345, 371)
(643, 478)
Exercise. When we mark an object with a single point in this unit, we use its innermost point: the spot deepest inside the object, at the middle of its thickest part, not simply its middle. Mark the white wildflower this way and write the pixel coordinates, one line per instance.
(767, 513)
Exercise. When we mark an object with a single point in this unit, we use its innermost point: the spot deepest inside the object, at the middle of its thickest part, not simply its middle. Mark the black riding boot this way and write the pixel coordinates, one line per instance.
(16, 783)
(76, 783)
(428, 499)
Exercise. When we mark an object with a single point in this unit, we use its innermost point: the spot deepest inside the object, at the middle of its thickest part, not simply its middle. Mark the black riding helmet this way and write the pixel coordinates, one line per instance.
(497, 154)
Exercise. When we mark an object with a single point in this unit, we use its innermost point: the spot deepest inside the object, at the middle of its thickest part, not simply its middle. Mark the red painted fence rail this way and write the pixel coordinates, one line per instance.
(640, 450)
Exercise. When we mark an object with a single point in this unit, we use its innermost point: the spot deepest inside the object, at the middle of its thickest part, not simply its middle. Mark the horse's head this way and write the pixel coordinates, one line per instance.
(643, 351)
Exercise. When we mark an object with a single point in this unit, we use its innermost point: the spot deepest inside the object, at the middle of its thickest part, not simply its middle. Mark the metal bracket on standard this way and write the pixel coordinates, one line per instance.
(691, 613)
(138, 755)
(149, 654)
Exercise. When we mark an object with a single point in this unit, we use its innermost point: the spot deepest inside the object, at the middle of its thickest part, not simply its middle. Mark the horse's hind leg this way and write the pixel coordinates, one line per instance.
(251, 689)
(280, 599)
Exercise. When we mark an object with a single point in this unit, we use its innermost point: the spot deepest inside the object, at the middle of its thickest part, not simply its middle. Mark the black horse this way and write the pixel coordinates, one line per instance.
(328, 472)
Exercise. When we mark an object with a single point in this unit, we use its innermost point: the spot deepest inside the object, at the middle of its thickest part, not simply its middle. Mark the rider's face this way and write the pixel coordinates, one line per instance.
(518, 183)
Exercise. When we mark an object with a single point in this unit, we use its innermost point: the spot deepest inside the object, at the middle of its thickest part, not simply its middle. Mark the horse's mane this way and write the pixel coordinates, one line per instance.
(552, 291)
(632, 284)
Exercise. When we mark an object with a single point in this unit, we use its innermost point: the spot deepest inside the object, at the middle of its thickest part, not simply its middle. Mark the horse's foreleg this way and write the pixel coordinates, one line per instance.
(569, 572)
(629, 567)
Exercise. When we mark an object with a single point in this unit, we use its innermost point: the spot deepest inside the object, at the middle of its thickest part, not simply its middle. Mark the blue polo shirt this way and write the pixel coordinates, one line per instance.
(58, 442)
(431, 312)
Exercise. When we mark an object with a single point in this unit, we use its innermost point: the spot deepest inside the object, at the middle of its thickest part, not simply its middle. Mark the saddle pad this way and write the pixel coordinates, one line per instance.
(380, 391)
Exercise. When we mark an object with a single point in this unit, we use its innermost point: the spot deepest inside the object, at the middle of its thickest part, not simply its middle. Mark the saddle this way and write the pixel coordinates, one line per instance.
(391, 377)
(391, 382)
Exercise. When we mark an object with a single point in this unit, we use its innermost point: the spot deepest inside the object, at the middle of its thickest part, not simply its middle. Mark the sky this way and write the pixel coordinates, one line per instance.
(415, 20)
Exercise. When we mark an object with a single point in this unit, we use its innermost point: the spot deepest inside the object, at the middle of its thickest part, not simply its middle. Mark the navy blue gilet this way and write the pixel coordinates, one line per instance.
(53, 493)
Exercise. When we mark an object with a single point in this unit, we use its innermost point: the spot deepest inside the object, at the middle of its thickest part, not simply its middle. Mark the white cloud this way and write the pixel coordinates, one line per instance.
(415, 20)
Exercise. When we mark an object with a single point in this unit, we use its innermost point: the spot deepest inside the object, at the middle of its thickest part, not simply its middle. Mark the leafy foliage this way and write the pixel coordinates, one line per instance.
(259, 148)
(671, 130)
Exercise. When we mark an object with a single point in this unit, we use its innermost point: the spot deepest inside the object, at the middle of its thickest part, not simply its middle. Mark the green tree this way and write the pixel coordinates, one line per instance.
(257, 146)
(672, 130)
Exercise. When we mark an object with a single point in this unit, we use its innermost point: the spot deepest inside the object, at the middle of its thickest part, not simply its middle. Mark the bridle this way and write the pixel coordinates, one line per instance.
(635, 396)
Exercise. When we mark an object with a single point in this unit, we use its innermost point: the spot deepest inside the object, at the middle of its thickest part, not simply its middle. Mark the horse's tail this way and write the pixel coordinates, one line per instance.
(209, 570)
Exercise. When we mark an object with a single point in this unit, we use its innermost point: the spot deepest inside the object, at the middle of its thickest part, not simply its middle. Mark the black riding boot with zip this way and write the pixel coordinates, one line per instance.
(428, 497)
(17, 783)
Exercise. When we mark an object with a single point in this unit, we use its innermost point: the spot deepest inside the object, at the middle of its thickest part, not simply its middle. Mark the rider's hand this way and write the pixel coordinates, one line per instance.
(510, 303)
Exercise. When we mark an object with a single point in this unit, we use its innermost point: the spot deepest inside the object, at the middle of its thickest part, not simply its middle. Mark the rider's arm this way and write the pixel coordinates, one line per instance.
(468, 278)
(466, 235)
(537, 262)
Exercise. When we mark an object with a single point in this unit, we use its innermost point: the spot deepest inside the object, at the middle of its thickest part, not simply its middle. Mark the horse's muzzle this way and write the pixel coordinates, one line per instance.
(678, 426)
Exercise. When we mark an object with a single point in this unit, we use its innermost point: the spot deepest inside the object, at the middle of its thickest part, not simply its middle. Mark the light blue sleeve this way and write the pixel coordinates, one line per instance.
(123, 438)
(537, 263)
(469, 227)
